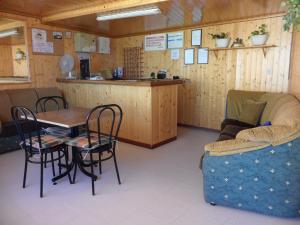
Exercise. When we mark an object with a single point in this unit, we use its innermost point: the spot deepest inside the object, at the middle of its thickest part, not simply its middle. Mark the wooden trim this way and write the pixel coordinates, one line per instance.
(100, 8)
(145, 145)
(196, 127)
(201, 25)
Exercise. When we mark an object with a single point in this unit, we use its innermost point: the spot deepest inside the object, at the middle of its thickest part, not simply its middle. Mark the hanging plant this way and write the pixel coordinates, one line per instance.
(292, 18)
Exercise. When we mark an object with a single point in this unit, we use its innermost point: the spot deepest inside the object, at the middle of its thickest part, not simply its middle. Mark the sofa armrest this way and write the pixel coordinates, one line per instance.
(234, 146)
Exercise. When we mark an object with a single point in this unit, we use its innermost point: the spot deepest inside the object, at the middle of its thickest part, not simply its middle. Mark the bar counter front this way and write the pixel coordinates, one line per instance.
(149, 106)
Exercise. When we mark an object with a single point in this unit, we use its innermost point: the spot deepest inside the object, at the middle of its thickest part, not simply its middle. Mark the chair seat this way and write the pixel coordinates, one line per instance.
(58, 131)
(82, 142)
(47, 141)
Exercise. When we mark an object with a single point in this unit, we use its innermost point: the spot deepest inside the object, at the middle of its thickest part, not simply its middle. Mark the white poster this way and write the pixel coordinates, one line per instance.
(104, 45)
(175, 54)
(39, 42)
(175, 40)
(189, 56)
(39, 36)
(196, 37)
(203, 56)
(43, 47)
(155, 42)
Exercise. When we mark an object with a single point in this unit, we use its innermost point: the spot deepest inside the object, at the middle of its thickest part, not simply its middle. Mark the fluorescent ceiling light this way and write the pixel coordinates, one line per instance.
(129, 13)
(7, 33)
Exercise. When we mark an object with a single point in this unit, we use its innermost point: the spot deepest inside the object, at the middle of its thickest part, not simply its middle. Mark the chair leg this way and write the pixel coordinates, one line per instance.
(92, 171)
(100, 164)
(45, 160)
(67, 162)
(59, 163)
(75, 171)
(25, 171)
(42, 174)
(116, 166)
(52, 162)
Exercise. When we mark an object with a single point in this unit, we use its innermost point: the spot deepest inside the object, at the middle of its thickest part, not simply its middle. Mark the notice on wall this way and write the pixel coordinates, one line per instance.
(155, 42)
(103, 45)
(175, 40)
(175, 54)
(39, 42)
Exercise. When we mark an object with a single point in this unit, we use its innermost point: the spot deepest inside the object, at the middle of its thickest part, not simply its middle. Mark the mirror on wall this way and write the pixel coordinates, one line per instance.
(14, 61)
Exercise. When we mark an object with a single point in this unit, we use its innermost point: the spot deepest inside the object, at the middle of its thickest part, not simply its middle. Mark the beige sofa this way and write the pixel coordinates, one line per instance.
(21, 97)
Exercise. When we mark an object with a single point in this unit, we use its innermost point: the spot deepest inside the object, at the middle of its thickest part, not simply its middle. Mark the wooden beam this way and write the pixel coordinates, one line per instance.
(11, 25)
(100, 8)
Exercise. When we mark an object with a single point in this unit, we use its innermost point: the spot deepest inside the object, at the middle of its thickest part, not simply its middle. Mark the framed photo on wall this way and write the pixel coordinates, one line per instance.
(189, 56)
(196, 37)
(203, 55)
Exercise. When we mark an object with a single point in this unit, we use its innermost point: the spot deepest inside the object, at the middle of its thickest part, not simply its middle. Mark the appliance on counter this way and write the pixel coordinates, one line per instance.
(162, 74)
(85, 69)
(118, 73)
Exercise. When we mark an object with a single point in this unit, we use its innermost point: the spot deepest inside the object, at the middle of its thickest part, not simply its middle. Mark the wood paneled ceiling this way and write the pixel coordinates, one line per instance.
(81, 14)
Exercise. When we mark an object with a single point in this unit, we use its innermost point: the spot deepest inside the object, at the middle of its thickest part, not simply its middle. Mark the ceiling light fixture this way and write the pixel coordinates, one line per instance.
(153, 10)
(7, 33)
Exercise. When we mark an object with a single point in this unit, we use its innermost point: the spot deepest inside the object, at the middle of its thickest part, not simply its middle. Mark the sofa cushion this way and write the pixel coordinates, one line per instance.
(288, 114)
(274, 102)
(267, 134)
(251, 112)
(235, 122)
(5, 105)
(236, 99)
(23, 97)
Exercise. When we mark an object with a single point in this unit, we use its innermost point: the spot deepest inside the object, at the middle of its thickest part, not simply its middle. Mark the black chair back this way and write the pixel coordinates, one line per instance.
(27, 126)
(50, 103)
(108, 119)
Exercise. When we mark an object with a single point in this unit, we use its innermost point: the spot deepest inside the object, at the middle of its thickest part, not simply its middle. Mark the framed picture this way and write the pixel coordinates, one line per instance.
(175, 40)
(203, 55)
(196, 37)
(189, 56)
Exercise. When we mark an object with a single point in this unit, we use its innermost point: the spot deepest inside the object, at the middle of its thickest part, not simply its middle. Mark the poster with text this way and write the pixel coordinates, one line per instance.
(155, 42)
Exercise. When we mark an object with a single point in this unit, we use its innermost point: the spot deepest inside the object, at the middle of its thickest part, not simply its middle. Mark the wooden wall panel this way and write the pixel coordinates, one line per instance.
(202, 98)
(6, 64)
(44, 69)
(295, 65)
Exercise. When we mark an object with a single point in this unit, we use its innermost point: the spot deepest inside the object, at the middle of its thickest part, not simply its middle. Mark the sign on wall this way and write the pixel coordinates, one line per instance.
(155, 42)
(175, 40)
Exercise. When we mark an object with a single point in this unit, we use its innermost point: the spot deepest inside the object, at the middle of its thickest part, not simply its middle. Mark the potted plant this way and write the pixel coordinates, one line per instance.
(293, 14)
(260, 36)
(222, 39)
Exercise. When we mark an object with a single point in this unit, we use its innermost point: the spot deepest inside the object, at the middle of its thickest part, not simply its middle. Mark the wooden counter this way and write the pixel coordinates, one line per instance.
(150, 107)
(144, 83)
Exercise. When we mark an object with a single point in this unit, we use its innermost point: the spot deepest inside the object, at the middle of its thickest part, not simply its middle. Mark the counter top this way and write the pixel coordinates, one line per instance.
(142, 82)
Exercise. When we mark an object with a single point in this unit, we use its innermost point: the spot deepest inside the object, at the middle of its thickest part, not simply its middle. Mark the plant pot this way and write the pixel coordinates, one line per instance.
(222, 42)
(259, 39)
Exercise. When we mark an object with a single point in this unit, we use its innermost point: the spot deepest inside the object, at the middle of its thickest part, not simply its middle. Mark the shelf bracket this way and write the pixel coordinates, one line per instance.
(216, 54)
(265, 51)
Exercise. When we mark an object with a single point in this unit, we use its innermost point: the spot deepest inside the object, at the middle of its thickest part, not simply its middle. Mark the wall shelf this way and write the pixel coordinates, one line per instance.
(264, 48)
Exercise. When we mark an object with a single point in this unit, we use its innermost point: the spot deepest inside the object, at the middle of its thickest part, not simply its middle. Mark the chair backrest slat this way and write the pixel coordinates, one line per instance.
(42, 104)
(112, 113)
(26, 125)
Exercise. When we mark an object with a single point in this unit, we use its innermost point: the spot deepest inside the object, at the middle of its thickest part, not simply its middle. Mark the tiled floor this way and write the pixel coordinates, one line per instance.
(160, 187)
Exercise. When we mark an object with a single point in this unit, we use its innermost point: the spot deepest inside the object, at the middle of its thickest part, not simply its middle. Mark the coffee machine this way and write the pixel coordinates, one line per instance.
(85, 69)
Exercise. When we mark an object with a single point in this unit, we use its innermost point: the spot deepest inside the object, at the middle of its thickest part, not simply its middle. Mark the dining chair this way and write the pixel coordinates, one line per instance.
(52, 103)
(102, 129)
(35, 144)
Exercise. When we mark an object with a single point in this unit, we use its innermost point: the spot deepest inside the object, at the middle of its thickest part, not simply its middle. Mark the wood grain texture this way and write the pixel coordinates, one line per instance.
(81, 14)
(295, 66)
(6, 62)
(202, 99)
(150, 115)
(44, 69)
